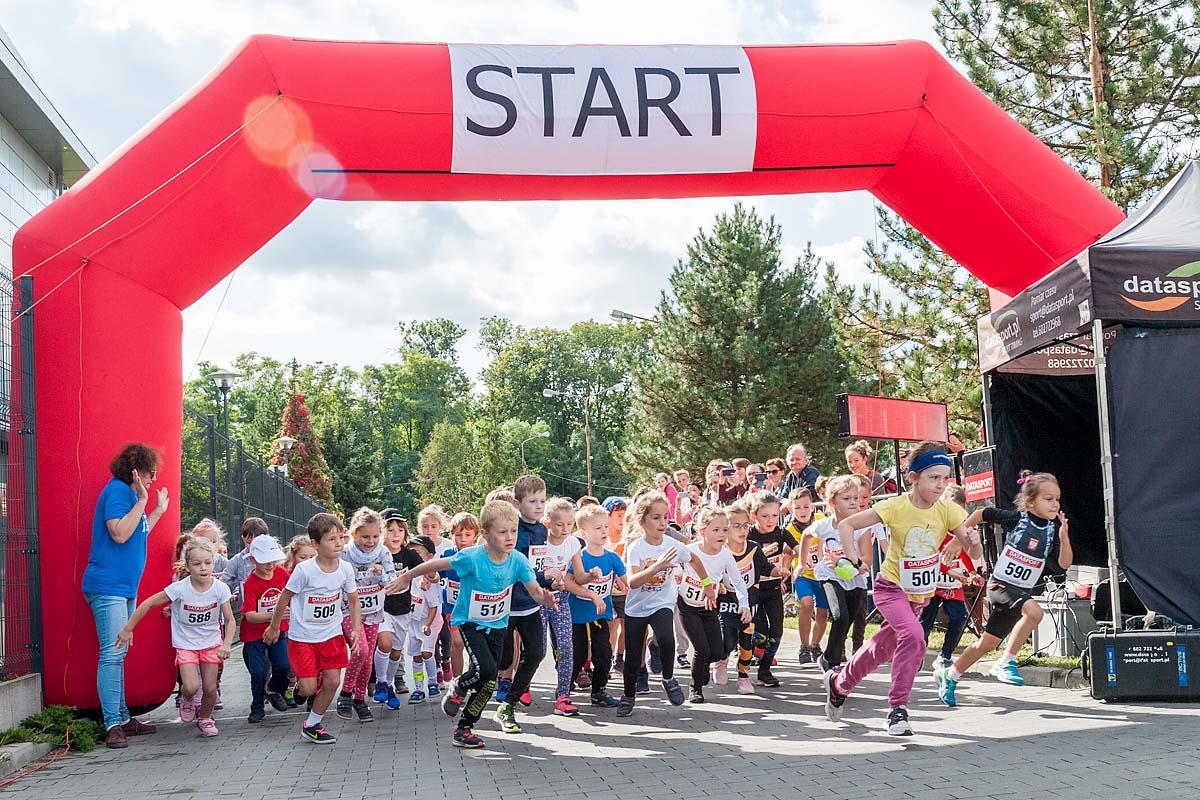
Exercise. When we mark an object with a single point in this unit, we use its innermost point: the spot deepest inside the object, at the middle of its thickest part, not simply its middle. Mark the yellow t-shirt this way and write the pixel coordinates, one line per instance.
(798, 535)
(916, 535)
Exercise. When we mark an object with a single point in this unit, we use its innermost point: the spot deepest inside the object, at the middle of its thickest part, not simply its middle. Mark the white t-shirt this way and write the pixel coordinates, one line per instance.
(831, 545)
(316, 614)
(661, 589)
(425, 597)
(196, 616)
(721, 568)
(879, 533)
(558, 556)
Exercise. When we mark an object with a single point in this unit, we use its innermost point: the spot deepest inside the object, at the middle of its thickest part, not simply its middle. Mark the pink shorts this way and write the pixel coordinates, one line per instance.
(206, 656)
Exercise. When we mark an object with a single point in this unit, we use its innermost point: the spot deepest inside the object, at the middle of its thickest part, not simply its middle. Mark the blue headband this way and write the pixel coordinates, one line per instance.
(930, 458)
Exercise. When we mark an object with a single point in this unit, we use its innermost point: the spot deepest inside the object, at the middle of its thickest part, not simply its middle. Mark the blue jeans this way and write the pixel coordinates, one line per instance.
(956, 622)
(111, 614)
(260, 659)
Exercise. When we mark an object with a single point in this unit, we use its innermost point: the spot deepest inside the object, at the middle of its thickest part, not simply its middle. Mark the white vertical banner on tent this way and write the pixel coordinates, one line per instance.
(586, 110)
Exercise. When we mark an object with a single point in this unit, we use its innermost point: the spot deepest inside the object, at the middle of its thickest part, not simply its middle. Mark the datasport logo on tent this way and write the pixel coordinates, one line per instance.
(1164, 293)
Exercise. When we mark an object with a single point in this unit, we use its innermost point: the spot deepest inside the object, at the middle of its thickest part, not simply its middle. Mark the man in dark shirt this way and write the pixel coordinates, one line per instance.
(800, 472)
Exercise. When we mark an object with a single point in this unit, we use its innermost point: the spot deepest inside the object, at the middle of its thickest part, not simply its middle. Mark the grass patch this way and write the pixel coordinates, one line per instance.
(51, 727)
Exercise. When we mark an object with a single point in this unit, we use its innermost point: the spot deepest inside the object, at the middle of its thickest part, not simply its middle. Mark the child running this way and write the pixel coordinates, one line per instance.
(752, 565)
(698, 611)
(949, 594)
(199, 606)
(464, 532)
(393, 630)
(839, 581)
(777, 547)
(373, 572)
(615, 506)
(487, 574)
(260, 594)
(1035, 534)
(591, 616)
(424, 625)
(650, 559)
(813, 613)
(316, 644)
(919, 521)
(561, 562)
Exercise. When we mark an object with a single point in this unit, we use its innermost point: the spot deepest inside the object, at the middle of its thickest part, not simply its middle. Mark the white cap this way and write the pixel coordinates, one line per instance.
(265, 550)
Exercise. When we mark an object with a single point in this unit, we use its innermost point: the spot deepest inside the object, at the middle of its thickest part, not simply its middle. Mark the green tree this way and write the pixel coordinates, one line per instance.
(436, 338)
(447, 475)
(306, 460)
(1113, 86)
(742, 360)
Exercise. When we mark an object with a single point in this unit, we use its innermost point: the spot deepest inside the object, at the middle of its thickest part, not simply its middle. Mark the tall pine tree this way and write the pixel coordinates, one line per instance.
(742, 359)
(306, 460)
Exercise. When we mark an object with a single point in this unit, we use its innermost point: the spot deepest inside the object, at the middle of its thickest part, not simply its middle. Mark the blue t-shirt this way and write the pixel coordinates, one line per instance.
(529, 534)
(485, 591)
(450, 583)
(610, 565)
(115, 569)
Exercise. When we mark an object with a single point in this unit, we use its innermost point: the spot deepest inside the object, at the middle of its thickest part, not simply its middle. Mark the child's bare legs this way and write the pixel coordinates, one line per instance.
(208, 678)
(804, 621)
(189, 681)
(1031, 617)
(456, 652)
(969, 657)
(321, 689)
(819, 626)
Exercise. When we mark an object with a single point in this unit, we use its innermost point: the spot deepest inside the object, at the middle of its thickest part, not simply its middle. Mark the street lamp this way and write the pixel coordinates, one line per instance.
(285, 445)
(587, 419)
(624, 316)
(542, 435)
(224, 379)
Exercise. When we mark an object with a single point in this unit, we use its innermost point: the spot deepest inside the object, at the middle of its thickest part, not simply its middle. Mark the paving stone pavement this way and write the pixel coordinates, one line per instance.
(1000, 742)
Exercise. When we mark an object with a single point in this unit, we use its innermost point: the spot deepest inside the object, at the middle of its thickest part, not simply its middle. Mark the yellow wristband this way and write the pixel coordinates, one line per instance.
(706, 581)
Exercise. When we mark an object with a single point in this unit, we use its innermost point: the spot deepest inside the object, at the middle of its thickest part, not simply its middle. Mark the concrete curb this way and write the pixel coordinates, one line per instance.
(1049, 677)
(15, 757)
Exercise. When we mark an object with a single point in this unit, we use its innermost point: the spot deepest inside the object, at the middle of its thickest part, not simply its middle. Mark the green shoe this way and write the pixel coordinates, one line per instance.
(506, 719)
(946, 686)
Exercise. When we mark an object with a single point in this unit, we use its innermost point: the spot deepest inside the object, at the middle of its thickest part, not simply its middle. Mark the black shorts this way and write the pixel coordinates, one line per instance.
(619, 606)
(1005, 612)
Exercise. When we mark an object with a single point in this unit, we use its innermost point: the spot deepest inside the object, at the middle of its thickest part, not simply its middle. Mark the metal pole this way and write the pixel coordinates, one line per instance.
(29, 464)
(899, 477)
(241, 481)
(587, 440)
(987, 409)
(1106, 459)
(212, 467)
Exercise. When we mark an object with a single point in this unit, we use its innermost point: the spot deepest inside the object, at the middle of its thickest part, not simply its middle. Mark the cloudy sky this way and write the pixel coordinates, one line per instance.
(333, 285)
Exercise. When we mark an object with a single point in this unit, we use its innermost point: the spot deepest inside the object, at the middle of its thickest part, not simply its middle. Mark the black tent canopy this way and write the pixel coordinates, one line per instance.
(1092, 373)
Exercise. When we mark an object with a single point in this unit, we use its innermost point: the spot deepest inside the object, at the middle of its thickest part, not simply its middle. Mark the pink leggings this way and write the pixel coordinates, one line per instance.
(358, 673)
(901, 640)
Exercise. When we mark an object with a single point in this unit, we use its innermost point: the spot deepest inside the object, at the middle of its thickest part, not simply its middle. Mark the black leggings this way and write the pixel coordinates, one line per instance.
(768, 622)
(704, 629)
(482, 647)
(594, 635)
(533, 650)
(844, 605)
(663, 623)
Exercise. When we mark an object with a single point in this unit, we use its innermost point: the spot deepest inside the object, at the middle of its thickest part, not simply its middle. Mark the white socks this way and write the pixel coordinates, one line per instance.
(381, 660)
(953, 674)
(431, 670)
(313, 719)
(393, 667)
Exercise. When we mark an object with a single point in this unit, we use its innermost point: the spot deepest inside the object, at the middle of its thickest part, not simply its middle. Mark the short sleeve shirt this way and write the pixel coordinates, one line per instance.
(262, 595)
(916, 533)
(115, 569)
(317, 600)
(486, 587)
(660, 590)
(196, 615)
(611, 567)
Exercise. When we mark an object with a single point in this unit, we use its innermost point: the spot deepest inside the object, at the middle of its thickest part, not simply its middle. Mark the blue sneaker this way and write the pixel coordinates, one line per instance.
(655, 658)
(643, 681)
(434, 691)
(416, 697)
(393, 700)
(381, 693)
(1006, 671)
(502, 687)
(945, 686)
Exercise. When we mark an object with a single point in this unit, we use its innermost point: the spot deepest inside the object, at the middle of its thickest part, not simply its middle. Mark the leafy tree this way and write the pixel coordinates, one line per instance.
(306, 460)
(446, 475)
(742, 360)
(436, 338)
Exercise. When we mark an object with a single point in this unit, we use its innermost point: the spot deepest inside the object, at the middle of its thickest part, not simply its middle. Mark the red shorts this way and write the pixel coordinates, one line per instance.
(309, 659)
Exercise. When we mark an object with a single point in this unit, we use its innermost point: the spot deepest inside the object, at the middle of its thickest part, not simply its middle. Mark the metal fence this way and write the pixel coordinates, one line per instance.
(20, 585)
(223, 482)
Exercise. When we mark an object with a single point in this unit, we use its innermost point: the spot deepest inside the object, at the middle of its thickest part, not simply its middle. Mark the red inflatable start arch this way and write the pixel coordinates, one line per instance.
(284, 121)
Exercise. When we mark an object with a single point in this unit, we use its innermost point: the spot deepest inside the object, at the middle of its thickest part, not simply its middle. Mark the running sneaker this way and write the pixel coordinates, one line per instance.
(363, 711)
(564, 707)
(187, 710)
(381, 692)
(308, 702)
(720, 672)
(643, 681)
(897, 722)
(507, 719)
(806, 656)
(290, 697)
(618, 662)
(682, 662)
(453, 702)
(207, 727)
(434, 691)
(674, 691)
(625, 707)
(257, 715)
(946, 686)
(834, 700)
(823, 662)
(444, 675)
(765, 678)
(277, 702)
(655, 658)
(502, 687)
(465, 737)
(345, 706)
(774, 661)
(416, 697)
(744, 686)
(696, 695)
(604, 700)
(401, 686)
(393, 700)
(219, 705)
(1005, 670)
(583, 680)
(526, 699)
(317, 734)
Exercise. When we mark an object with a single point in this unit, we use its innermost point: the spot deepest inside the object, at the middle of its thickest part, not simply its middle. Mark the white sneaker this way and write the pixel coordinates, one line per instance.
(897, 722)
(720, 672)
(941, 663)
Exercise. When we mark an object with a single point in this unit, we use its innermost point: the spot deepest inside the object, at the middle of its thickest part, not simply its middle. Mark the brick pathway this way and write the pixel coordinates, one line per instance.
(999, 743)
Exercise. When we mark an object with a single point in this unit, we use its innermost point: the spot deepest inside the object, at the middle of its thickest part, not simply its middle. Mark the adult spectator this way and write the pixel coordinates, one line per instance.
(684, 503)
(858, 460)
(663, 481)
(776, 469)
(735, 483)
(800, 472)
(120, 530)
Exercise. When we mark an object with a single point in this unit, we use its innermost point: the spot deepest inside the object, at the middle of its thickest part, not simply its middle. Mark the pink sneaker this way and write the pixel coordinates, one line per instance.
(207, 727)
(187, 710)
(744, 686)
(720, 672)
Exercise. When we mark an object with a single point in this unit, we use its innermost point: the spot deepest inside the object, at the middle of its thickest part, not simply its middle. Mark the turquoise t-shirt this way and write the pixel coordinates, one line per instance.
(115, 569)
(485, 587)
